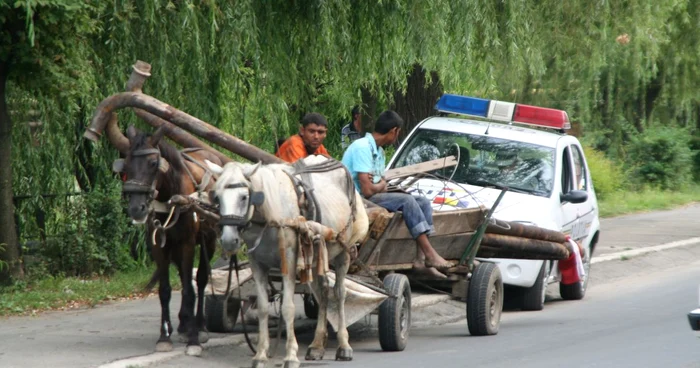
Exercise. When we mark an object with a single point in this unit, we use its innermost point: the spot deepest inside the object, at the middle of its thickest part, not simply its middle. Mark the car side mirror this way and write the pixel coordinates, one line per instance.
(574, 196)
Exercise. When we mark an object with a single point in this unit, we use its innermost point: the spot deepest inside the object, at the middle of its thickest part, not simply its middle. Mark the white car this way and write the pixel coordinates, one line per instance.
(505, 146)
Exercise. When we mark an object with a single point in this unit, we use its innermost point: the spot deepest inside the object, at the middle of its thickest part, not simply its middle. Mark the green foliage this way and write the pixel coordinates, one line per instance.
(661, 157)
(91, 237)
(647, 199)
(607, 175)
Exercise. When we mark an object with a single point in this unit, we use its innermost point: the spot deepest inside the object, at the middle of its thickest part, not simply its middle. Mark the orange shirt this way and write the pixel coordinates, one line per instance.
(293, 149)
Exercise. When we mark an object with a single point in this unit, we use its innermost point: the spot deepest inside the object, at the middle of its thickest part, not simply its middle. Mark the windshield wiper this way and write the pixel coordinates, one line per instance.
(485, 183)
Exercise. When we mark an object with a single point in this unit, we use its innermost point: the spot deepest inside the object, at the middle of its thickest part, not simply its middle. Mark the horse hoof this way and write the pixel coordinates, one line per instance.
(291, 364)
(315, 354)
(258, 364)
(203, 336)
(164, 346)
(193, 350)
(343, 354)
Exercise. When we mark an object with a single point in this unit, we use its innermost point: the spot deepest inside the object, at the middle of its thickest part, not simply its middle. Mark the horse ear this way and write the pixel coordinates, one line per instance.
(163, 165)
(131, 132)
(216, 169)
(250, 170)
(157, 135)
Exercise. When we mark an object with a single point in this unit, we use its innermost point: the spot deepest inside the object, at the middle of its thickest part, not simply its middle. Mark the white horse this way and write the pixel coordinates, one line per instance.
(270, 228)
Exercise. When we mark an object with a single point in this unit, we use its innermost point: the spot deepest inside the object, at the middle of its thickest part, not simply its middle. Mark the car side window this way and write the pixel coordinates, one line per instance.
(580, 174)
(566, 180)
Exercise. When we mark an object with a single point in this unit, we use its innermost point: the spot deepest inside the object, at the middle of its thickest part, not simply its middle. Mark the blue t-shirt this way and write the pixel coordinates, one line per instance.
(363, 156)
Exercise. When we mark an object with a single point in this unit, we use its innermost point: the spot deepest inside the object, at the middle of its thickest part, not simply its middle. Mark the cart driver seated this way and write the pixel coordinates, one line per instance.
(366, 162)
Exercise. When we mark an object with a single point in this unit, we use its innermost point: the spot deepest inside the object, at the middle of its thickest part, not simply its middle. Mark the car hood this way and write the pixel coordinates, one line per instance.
(517, 207)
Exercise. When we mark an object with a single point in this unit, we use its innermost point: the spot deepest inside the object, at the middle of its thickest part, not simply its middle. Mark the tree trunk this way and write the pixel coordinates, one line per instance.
(419, 101)
(9, 252)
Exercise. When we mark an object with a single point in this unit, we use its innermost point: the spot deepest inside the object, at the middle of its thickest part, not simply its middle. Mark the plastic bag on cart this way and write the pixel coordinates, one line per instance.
(219, 280)
(360, 300)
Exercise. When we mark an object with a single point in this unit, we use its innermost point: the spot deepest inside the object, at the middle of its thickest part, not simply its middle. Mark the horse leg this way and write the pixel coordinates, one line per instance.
(342, 262)
(164, 292)
(260, 277)
(188, 301)
(318, 346)
(288, 310)
(206, 251)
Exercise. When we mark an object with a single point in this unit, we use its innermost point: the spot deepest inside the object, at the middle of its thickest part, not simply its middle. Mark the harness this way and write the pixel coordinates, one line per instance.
(307, 200)
(131, 186)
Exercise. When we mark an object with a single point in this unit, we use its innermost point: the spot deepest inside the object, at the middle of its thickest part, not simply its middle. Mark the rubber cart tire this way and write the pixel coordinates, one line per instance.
(221, 313)
(310, 306)
(485, 300)
(395, 313)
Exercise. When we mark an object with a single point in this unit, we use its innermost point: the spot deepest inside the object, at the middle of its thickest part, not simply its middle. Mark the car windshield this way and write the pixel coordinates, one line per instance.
(484, 161)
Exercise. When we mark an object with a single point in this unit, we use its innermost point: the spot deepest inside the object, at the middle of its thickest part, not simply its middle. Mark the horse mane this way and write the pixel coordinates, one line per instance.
(173, 178)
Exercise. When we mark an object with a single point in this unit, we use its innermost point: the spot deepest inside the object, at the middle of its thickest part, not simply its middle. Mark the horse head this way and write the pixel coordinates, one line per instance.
(237, 200)
(142, 165)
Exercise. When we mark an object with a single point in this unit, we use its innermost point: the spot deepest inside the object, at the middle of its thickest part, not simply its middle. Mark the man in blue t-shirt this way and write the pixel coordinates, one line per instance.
(366, 162)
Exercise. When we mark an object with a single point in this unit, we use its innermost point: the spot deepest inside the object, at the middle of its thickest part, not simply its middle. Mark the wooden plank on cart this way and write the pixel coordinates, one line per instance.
(420, 168)
(446, 222)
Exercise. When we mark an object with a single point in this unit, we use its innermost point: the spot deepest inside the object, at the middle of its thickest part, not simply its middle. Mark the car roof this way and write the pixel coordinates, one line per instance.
(495, 129)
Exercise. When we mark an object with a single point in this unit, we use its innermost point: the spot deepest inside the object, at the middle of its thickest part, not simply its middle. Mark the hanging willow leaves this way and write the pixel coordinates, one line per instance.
(253, 68)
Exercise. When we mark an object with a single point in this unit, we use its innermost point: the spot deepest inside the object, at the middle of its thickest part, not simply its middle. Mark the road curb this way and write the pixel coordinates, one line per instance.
(645, 250)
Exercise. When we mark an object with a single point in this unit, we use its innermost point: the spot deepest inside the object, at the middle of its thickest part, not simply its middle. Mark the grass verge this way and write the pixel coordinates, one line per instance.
(621, 203)
(64, 293)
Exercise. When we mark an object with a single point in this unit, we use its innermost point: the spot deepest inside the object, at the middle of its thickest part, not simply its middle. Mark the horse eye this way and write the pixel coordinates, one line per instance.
(244, 197)
(153, 163)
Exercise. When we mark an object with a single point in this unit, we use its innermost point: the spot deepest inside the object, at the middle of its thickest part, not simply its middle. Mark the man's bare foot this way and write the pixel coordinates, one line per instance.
(437, 262)
(419, 268)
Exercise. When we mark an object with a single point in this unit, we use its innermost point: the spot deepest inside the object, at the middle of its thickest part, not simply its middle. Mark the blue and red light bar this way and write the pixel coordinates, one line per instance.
(504, 111)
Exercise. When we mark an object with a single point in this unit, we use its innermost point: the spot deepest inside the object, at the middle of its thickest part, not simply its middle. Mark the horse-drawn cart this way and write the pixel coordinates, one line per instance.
(385, 266)
(382, 270)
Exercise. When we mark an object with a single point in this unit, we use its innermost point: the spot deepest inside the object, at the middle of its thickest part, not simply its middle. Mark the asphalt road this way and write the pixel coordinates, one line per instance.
(633, 315)
(635, 320)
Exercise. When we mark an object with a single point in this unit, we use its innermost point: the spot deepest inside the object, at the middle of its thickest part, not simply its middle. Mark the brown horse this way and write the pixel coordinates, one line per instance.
(155, 172)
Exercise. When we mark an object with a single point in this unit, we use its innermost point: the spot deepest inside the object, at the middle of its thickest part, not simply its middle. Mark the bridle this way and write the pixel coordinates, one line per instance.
(254, 199)
(132, 186)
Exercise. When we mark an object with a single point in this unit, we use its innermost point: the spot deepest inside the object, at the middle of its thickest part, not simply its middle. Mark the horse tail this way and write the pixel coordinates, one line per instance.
(153, 281)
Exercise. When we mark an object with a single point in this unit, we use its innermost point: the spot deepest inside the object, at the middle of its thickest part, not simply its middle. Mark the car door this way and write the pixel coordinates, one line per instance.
(569, 211)
(585, 211)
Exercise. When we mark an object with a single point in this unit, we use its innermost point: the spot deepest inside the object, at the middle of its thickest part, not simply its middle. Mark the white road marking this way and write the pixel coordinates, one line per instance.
(645, 250)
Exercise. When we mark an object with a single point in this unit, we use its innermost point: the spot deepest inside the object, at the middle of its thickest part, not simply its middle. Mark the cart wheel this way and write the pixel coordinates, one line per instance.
(221, 313)
(485, 300)
(395, 313)
(310, 306)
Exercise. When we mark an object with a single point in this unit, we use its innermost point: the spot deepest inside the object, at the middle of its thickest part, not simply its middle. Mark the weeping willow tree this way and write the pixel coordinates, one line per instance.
(253, 68)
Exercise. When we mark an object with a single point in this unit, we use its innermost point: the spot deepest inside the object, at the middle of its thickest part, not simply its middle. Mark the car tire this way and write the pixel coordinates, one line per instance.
(532, 298)
(577, 290)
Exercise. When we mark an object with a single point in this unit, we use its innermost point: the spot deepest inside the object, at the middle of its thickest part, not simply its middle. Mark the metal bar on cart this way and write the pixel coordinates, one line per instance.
(475, 241)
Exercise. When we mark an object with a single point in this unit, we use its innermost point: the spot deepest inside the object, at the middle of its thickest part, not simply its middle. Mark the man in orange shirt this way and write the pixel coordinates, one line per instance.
(308, 142)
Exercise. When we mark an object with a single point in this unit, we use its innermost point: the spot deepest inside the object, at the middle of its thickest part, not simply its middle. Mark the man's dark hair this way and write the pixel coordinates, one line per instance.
(314, 118)
(387, 121)
(355, 111)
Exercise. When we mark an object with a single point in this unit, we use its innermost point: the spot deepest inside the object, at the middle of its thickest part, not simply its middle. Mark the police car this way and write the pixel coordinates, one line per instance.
(524, 148)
